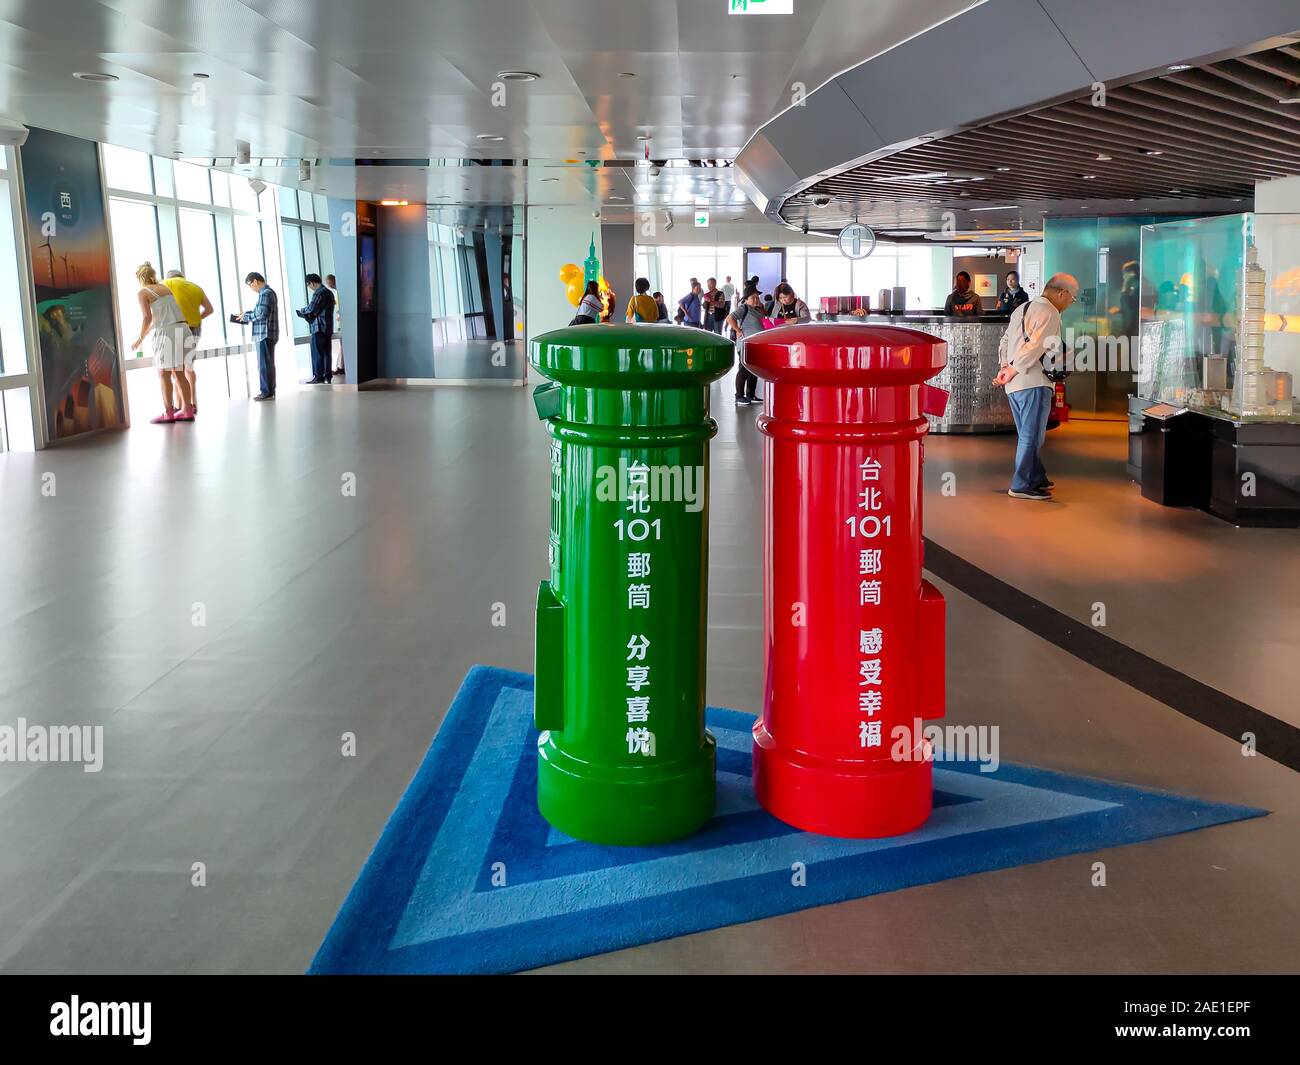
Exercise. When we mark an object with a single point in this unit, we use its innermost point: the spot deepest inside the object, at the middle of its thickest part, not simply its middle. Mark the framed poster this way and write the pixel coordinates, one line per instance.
(71, 273)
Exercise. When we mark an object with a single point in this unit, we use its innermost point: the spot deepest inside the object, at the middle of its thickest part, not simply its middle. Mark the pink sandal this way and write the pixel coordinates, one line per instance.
(185, 414)
(165, 418)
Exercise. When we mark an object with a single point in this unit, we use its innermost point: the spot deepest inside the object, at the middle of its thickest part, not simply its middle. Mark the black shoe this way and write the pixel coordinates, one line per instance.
(339, 372)
(314, 381)
(1029, 493)
(754, 399)
(1047, 486)
(262, 396)
(742, 401)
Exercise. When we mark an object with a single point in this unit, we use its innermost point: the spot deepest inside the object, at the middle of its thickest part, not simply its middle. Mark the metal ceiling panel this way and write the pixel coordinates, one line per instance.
(986, 62)
(1155, 35)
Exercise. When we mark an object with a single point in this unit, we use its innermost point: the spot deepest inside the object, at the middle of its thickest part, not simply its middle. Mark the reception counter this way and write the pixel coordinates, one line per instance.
(975, 404)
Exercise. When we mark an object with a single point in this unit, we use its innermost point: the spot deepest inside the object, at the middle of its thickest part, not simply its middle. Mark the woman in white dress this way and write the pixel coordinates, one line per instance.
(172, 351)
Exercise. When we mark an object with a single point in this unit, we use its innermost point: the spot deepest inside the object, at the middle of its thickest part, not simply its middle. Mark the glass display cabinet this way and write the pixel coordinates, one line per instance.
(1218, 361)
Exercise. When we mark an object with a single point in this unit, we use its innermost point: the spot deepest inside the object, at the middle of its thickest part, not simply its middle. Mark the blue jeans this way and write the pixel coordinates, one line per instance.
(1030, 408)
(266, 366)
(320, 356)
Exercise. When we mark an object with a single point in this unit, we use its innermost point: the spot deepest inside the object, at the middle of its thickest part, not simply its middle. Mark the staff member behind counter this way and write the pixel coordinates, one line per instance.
(962, 302)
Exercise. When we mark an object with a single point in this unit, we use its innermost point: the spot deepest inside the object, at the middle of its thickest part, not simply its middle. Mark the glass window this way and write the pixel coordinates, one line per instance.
(879, 270)
(127, 170)
(192, 183)
(306, 209)
(220, 188)
(322, 208)
(241, 196)
(199, 242)
(162, 177)
(248, 246)
(293, 264)
(233, 292)
(829, 274)
(169, 241)
(326, 250)
(17, 414)
(13, 349)
(135, 241)
(310, 251)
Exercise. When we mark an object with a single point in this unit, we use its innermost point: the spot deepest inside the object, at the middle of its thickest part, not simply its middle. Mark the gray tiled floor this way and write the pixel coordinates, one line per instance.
(327, 614)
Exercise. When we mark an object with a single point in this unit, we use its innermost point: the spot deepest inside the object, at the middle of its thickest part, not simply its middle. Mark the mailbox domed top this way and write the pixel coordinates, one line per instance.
(838, 353)
(609, 355)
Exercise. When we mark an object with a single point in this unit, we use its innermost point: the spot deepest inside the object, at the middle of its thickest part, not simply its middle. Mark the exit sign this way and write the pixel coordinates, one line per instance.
(760, 7)
(701, 219)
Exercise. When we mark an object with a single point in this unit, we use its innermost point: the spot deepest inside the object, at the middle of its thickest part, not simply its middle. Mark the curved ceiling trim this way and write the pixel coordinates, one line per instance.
(997, 60)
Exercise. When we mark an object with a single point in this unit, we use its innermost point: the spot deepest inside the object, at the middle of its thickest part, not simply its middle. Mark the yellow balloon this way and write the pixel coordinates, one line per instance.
(574, 286)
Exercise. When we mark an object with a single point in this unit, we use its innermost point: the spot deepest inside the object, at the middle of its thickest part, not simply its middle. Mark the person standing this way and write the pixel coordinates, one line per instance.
(710, 299)
(171, 352)
(962, 302)
(265, 319)
(1033, 332)
(592, 307)
(789, 307)
(690, 308)
(332, 284)
(729, 291)
(661, 304)
(196, 306)
(319, 314)
(1012, 296)
(642, 307)
(747, 321)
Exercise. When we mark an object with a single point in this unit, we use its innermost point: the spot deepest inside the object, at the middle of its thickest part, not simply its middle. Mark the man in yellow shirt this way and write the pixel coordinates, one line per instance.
(196, 306)
(642, 307)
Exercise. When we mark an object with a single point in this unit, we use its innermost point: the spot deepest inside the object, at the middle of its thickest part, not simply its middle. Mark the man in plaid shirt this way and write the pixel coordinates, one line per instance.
(265, 319)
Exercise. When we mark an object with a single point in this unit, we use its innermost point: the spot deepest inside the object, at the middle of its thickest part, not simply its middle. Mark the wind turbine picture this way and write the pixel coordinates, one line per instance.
(49, 247)
(67, 274)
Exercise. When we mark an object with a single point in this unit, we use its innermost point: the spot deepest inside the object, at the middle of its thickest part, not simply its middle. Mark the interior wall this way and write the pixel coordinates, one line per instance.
(556, 236)
(404, 303)
(619, 259)
(983, 264)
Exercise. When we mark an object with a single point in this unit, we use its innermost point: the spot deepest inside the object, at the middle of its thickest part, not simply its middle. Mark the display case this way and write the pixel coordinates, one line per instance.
(1220, 317)
(1219, 339)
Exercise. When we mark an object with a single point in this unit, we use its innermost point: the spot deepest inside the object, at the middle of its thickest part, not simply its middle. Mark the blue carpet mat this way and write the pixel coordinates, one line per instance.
(431, 898)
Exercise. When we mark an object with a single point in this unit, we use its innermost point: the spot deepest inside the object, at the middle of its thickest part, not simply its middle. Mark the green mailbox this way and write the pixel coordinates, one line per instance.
(623, 755)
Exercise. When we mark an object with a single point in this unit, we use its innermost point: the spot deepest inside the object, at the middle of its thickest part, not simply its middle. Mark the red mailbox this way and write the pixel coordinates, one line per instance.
(854, 634)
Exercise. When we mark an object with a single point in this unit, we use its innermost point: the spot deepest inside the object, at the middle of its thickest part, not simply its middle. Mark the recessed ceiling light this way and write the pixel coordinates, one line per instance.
(643, 136)
(1180, 66)
(201, 76)
(1002, 169)
(550, 179)
(1150, 151)
(91, 75)
(489, 137)
(1087, 177)
(1103, 158)
(627, 74)
(1175, 190)
(1289, 100)
(394, 203)
(517, 75)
